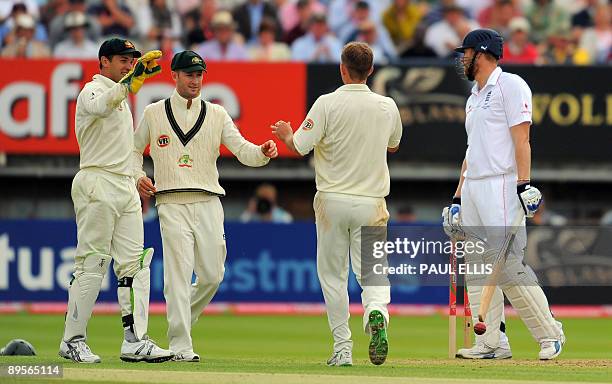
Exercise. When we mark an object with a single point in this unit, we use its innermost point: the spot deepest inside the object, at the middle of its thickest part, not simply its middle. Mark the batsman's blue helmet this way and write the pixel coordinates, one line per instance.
(483, 40)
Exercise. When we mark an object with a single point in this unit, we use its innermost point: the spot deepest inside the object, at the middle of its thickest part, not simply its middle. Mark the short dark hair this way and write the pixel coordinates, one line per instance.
(357, 57)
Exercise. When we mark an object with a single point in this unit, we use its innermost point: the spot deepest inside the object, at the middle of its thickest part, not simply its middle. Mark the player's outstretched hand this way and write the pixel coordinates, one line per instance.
(269, 149)
(146, 67)
(282, 130)
(145, 187)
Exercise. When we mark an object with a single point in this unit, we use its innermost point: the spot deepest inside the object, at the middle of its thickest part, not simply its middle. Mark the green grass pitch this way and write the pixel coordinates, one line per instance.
(293, 349)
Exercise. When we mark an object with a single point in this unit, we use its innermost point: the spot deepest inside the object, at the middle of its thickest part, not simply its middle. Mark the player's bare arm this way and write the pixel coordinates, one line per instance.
(522, 148)
(283, 131)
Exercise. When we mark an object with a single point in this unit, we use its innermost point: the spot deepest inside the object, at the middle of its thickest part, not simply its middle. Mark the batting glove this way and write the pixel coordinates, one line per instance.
(146, 67)
(451, 220)
(530, 198)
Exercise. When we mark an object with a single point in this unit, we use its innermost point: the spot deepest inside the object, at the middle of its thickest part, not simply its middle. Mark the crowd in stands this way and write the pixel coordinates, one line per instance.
(574, 32)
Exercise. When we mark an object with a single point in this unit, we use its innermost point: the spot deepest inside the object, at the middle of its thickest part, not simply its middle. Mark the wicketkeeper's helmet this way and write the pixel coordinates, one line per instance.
(18, 347)
(483, 40)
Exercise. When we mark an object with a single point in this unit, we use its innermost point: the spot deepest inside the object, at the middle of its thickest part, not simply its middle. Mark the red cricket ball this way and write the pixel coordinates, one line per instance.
(480, 328)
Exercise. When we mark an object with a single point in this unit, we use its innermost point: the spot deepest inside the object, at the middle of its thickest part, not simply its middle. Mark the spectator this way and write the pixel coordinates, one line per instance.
(340, 12)
(8, 26)
(154, 19)
(473, 8)
(7, 7)
(401, 20)
(57, 31)
(197, 23)
(597, 40)
(263, 207)
(519, 50)
(368, 34)
(77, 46)
(266, 48)
(361, 14)
(318, 45)
(114, 19)
(224, 45)
(249, 15)
(560, 49)
(498, 16)
(304, 9)
(24, 45)
(170, 44)
(584, 18)
(443, 36)
(545, 17)
(289, 13)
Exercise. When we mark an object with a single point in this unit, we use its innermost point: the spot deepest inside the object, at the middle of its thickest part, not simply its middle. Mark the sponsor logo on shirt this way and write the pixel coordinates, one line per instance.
(163, 141)
(185, 161)
(308, 124)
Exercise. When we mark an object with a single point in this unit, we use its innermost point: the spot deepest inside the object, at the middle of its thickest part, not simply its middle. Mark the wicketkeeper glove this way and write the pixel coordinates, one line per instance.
(145, 68)
(451, 220)
(530, 198)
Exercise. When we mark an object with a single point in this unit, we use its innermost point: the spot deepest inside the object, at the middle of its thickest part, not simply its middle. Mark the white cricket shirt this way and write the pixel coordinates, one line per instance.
(504, 101)
(350, 131)
(104, 126)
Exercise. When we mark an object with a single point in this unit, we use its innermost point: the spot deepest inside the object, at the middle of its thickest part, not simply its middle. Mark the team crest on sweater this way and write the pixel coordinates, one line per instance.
(185, 161)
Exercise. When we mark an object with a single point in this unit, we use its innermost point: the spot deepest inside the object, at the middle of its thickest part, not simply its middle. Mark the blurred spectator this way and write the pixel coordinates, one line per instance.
(597, 40)
(519, 50)
(443, 36)
(560, 49)
(584, 17)
(8, 26)
(401, 20)
(77, 46)
(436, 12)
(23, 44)
(318, 45)
(224, 45)
(197, 23)
(498, 16)
(249, 15)
(29, 6)
(340, 12)
(263, 207)
(170, 44)
(545, 17)
(289, 13)
(361, 14)
(266, 48)
(57, 31)
(405, 214)
(368, 34)
(418, 49)
(115, 19)
(154, 19)
(304, 9)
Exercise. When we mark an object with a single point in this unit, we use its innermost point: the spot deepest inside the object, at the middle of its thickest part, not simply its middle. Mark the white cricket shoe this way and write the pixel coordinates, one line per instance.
(78, 351)
(186, 357)
(342, 358)
(549, 349)
(144, 350)
(481, 351)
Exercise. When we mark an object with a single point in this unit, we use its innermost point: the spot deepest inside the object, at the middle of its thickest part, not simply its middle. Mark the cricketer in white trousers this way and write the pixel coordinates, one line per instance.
(193, 241)
(339, 220)
(488, 206)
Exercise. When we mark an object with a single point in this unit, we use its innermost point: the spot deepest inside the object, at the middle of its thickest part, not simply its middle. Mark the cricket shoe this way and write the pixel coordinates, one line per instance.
(186, 357)
(342, 358)
(144, 350)
(78, 351)
(379, 345)
(549, 349)
(481, 351)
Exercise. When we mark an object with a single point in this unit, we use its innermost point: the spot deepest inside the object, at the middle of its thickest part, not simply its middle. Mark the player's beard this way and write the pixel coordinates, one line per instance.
(470, 69)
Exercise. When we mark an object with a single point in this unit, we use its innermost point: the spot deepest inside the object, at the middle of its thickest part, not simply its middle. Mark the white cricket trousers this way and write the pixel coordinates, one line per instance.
(488, 206)
(194, 241)
(339, 218)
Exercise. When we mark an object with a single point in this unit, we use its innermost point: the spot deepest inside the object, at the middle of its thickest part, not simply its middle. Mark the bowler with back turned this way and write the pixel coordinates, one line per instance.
(351, 131)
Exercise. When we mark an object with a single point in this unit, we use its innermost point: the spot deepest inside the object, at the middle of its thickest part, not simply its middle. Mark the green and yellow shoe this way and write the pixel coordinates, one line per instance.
(379, 345)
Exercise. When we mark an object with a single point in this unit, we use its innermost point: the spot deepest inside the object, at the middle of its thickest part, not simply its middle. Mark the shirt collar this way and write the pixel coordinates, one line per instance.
(354, 87)
(104, 80)
(492, 80)
(180, 100)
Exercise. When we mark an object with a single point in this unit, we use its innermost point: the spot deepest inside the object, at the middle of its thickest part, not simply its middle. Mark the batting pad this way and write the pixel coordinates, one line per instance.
(83, 293)
(531, 305)
(495, 315)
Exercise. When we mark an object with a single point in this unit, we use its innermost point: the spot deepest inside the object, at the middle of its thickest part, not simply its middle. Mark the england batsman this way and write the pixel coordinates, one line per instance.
(351, 131)
(184, 133)
(107, 207)
(493, 187)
